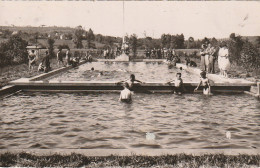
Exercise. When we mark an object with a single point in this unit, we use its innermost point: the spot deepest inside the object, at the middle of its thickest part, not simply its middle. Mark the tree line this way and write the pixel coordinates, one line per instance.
(242, 52)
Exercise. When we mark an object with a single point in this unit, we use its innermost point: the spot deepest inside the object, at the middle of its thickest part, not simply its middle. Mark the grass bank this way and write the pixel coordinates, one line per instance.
(13, 72)
(78, 160)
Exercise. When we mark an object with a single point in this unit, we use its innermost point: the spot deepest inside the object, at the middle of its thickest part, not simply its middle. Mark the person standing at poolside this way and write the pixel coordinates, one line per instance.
(68, 56)
(45, 63)
(223, 60)
(59, 58)
(32, 60)
(202, 56)
(204, 81)
(126, 95)
(207, 53)
(211, 52)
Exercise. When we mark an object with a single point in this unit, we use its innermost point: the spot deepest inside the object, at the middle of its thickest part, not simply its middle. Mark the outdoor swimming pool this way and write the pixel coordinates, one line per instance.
(115, 71)
(39, 120)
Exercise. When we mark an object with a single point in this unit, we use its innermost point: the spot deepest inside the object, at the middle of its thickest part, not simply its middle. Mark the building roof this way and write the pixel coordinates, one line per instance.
(34, 47)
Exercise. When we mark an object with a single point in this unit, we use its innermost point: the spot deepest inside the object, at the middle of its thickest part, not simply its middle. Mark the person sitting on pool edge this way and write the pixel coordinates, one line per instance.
(131, 81)
(204, 81)
(179, 87)
(126, 95)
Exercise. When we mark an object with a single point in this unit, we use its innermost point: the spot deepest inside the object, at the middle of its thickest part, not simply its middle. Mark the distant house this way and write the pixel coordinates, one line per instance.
(62, 36)
(15, 32)
(37, 49)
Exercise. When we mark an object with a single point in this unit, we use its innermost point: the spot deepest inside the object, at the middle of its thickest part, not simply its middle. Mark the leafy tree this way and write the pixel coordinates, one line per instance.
(6, 33)
(258, 41)
(190, 43)
(164, 40)
(214, 41)
(69, 36)
(13, 51)
(51, 42)
(205, 40)
(177, 41)
(63, 46)
(90, 37)
(250, 57)
(133, 43)
(198, 44)
(78, 36)
(235, 45)
(99, 38)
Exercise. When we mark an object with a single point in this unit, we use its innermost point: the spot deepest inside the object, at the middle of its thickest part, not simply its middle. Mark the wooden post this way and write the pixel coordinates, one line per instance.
(258, 88)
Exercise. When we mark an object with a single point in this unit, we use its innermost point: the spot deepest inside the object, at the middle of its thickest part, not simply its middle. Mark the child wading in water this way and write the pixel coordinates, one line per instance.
(179, 88)
(126, 95)
(204, 81)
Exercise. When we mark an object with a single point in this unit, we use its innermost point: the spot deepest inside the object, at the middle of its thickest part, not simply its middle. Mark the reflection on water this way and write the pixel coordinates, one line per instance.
(48, 120)
(115, 71)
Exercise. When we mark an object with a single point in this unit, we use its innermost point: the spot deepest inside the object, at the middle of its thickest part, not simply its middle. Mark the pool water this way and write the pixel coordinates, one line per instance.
(85, 121)
(116, 71)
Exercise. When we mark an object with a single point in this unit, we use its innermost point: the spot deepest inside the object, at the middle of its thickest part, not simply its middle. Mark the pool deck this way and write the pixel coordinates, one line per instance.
(214, 78)
(129, 152)
(38, 83)
(135, 60)
(53, 72)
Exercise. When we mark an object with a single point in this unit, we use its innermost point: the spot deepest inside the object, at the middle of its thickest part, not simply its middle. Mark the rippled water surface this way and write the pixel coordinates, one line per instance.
(59, 120)
(114, 71)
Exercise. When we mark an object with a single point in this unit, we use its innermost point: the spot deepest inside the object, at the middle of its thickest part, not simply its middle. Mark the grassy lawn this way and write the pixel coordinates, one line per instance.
(79, 160)
(13, 72)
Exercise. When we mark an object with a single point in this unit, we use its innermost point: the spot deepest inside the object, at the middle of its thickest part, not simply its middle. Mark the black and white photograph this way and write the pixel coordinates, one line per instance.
(130, 84)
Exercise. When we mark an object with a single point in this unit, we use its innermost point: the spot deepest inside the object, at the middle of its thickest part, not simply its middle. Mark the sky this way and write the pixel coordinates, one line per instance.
(145, 18)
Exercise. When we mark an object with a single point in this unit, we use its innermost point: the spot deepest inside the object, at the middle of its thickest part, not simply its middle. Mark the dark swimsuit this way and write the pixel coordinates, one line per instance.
(31, 57)
(126, 100)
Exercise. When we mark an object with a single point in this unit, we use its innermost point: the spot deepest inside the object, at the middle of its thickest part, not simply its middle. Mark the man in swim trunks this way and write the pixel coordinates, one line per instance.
(179, 87)
(60, 58)
(131, 81)
(125, 95)
(204, 81)
(32, 60)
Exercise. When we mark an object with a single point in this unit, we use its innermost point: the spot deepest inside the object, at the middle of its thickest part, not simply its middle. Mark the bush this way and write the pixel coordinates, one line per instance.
(51, 42)
(235, 45)
(250, 58)
(63, 46)
(13, 51)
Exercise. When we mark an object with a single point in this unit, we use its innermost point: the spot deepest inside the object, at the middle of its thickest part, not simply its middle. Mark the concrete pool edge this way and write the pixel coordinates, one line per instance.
(8, 90)
(129, 152)
(53, 72)
(11, 88)
(151, 87)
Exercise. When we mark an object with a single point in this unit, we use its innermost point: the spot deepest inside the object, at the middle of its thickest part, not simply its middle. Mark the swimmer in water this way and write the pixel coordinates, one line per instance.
(126, 95)
(178, 83)
(100, 74)
(204, 81)
(130, 81)
(121, 70)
